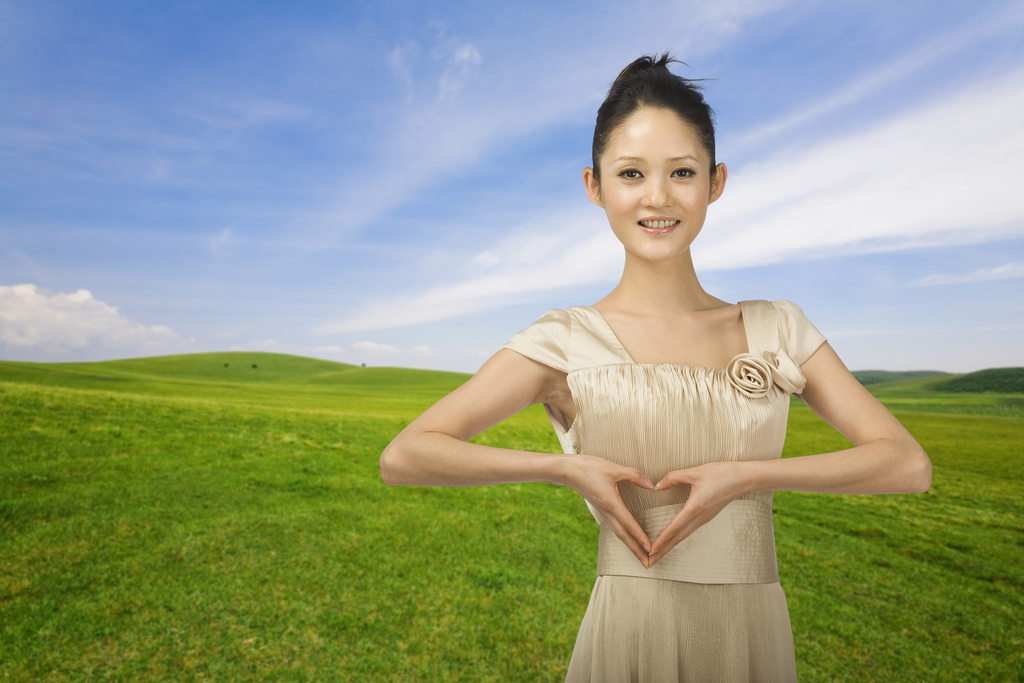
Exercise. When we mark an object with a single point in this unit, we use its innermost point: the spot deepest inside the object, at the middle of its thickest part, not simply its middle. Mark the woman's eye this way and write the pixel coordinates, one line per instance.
(683, 172)
(629, 173)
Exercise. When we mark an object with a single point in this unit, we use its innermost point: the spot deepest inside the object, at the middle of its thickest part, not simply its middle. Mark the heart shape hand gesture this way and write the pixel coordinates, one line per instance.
(712, 487)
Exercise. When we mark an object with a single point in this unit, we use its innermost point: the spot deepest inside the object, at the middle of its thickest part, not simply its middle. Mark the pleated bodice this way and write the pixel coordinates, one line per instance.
(661, 418)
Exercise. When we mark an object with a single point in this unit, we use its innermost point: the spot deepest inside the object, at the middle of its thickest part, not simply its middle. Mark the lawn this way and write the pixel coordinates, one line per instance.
(197, 518)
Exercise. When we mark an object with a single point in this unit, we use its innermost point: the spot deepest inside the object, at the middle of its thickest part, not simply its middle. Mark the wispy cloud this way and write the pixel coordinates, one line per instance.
(222, 241)
(944, 173)
(1010, 18)
(1008, 271)
(565, 250)
(374, 346)
(400, 60)
(357, 353)
(240, 113)
(463, 64)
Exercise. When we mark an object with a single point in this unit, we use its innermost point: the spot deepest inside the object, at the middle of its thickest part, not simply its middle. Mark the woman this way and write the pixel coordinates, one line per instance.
(671, 408)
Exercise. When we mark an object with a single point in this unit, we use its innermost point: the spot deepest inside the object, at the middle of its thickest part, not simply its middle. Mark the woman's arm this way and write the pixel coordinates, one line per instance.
(885, 458)
(432, 450)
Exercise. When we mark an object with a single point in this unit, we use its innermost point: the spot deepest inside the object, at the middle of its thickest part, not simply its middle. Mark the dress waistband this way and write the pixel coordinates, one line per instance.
(737, 546)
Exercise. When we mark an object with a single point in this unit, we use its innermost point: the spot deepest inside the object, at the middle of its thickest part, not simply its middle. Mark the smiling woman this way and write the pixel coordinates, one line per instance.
(661, 382)
(658, 183)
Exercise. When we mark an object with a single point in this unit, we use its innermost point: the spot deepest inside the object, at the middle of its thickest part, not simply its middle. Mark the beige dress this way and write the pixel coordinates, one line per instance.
(712, 609)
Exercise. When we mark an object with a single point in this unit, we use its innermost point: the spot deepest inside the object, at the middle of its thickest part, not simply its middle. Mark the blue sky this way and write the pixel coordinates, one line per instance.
(399, 183)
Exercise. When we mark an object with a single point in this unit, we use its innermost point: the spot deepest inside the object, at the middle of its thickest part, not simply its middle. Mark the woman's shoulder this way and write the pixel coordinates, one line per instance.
(546, 340)
(559, 321)
(781, 325)
(568, 339)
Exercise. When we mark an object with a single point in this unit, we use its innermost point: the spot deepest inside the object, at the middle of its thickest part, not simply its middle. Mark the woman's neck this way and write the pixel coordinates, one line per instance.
(659, 288)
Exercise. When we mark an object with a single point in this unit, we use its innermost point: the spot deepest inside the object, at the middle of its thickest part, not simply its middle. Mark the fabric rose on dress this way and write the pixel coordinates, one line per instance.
(785, 372)
(752, 376)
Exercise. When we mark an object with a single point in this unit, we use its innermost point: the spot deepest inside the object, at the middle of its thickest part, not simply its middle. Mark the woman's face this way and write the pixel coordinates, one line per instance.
(655, 185)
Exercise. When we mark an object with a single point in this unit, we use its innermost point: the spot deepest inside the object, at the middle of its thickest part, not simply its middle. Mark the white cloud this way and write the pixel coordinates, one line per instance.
(399, 59)
(894, 72)
(222, 241)
(374, 347)
(363, 352)
(567, 249)
(457, 73)
(37, 324)
(467, 53)
(330, 352)
(225, 113)
(943, 174)
(1004, 272)
(261, 345)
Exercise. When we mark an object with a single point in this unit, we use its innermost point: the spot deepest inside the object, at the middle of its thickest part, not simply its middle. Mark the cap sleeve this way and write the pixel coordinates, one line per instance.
(798, 337)
(545, 341)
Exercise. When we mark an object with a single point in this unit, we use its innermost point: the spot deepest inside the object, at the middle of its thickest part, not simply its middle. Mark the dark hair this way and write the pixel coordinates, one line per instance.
(647, 82)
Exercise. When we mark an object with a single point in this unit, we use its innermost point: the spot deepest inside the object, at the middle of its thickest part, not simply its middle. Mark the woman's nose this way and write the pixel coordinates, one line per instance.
(656, 192)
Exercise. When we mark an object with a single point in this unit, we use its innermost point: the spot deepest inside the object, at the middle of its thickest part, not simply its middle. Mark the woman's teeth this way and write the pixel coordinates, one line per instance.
(658, 224)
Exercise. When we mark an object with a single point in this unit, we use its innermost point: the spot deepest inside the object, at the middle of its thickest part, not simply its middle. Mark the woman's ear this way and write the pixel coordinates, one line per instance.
(593, 187)
(718, 183)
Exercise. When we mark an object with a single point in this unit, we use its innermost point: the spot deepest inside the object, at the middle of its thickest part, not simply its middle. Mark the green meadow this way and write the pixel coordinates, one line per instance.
(221, 517)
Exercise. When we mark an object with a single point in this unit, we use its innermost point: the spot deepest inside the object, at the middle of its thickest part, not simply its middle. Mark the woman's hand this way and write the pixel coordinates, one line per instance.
(713, 486)
(597, 479)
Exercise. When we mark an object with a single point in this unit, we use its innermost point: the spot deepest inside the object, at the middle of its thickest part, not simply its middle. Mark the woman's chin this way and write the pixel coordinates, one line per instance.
(655, 255)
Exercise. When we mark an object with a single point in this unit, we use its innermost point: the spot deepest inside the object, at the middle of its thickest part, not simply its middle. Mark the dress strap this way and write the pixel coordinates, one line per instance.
(780, 327)
(593, 341)
(571, 339)
(761, 322)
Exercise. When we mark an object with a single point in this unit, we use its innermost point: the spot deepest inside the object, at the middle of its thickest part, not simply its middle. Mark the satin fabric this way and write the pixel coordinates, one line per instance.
(712, 609)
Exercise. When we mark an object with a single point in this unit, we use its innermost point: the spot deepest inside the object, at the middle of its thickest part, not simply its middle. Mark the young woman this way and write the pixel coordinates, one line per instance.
(671, 407)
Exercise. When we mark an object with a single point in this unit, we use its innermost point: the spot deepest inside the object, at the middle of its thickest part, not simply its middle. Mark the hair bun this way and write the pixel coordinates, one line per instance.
(643, 64)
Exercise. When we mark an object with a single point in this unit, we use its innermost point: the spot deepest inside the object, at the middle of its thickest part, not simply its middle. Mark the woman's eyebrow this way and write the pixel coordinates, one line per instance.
(685, 157)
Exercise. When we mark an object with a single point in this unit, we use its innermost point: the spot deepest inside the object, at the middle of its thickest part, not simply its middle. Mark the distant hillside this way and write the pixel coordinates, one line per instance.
(243, 367)
(1000, 380)
(231, 372)
(876, 376)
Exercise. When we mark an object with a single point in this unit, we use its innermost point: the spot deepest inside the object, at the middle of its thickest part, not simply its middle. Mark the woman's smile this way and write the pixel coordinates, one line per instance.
(658, 226)
(655, 184)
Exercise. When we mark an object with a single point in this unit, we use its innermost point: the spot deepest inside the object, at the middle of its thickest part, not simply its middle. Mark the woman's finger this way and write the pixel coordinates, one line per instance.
(675, 478)
(681, 526)
(639, 478)
(640, 547)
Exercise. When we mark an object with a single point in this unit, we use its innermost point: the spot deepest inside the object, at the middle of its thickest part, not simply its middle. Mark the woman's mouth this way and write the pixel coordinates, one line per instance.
(658, 227)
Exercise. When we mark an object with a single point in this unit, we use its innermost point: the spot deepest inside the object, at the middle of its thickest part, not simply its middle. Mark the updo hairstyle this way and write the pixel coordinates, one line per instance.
(647, 82)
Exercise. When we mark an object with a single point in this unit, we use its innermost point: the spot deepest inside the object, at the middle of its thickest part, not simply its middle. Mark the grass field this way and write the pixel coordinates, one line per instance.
(199, 518)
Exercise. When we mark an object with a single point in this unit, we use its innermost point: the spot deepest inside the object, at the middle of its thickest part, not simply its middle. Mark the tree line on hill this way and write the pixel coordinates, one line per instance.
(999, 380)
